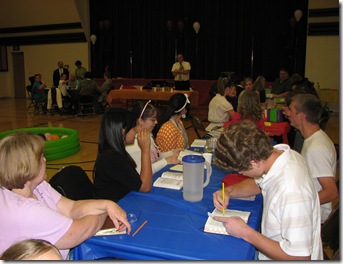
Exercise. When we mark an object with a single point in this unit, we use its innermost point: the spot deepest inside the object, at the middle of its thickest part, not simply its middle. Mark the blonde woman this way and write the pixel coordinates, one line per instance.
(30, 207)
(32, 249)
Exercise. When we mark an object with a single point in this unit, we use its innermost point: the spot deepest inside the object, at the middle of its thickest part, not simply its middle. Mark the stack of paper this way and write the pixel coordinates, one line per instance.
(170, 180)
(199, 143)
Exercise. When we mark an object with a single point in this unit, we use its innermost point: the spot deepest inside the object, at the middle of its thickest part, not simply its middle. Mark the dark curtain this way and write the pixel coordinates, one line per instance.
(140, 38)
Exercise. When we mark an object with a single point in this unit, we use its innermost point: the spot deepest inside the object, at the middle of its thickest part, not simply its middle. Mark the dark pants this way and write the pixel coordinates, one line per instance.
(182, 85)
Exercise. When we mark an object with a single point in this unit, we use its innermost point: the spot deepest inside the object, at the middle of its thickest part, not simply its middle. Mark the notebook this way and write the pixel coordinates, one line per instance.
(217, 227)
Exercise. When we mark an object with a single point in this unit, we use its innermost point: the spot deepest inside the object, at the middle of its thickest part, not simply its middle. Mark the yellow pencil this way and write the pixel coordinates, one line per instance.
(139, 228)
(223, 194)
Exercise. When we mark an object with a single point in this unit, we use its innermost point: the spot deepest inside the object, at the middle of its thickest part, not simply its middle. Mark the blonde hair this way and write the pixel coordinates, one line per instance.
(29, 249)
(249, 107)
(20, 157)
(258, 83)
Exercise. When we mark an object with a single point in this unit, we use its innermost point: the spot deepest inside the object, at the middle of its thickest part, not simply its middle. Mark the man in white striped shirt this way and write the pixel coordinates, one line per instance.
(290, 228)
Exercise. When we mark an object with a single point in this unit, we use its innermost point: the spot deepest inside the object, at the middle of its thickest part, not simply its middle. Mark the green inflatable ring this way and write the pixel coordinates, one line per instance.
(54, 149)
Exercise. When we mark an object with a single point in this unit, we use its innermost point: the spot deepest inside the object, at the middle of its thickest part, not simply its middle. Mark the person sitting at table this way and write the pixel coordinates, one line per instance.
(31, 208)
(147, 118)
(282, 85)
(258, 86)
(219, 109)
(232, 98)
(304, 112)
(290, 228)
(248, 86)
(32, 249)
(114, 171)
(62, 85)
(73, 83)
(170, 132)
(38, 92)
(104, 89)
(249, 109)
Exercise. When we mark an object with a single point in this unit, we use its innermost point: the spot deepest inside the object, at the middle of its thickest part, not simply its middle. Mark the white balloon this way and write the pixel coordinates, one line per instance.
(93, 39)
(196, 26)
(298, 14)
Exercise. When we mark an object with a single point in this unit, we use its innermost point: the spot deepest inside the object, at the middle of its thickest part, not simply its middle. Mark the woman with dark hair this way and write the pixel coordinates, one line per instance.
(114, 170)
(219, 109)
(170, 131)
(147, 118)
(80, 71)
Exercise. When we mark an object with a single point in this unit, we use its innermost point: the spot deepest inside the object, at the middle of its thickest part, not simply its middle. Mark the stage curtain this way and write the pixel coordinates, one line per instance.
(249, 37)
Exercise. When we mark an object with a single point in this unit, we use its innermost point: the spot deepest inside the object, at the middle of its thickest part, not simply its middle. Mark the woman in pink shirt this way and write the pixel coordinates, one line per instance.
(31, 208)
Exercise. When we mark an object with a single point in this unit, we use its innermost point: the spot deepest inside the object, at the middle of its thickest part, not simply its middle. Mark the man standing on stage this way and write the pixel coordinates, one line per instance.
(181, 70)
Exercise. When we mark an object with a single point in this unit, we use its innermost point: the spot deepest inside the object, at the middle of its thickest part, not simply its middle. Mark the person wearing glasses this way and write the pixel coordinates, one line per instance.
(147, 118)
(114, 171)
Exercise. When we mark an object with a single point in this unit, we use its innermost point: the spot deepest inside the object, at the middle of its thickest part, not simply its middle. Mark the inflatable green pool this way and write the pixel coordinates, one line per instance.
(54, 149)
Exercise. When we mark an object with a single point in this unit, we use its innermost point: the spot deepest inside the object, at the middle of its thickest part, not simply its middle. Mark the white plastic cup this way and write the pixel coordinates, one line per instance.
(208, 157)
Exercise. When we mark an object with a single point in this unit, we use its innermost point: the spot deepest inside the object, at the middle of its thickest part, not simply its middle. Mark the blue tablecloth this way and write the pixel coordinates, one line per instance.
(174, 230)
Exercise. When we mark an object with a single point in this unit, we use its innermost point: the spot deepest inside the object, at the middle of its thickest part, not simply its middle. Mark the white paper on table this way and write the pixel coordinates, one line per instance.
(199, 143)
(178, 167)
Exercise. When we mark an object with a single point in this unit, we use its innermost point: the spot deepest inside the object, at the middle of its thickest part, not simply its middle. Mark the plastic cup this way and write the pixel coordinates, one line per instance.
(208, 157)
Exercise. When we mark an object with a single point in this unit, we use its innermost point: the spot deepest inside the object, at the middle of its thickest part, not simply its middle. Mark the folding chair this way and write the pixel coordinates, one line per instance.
(72, 182)
(86, 105)
(198, 127)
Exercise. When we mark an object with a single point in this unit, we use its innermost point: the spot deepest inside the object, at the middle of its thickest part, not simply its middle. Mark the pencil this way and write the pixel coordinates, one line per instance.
(139, 228)
(223, 196)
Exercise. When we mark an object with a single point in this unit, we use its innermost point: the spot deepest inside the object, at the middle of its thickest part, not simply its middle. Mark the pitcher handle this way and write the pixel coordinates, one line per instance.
(208, 174)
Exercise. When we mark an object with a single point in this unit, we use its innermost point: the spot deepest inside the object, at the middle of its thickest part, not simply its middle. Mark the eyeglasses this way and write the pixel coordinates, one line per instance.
(144, 108)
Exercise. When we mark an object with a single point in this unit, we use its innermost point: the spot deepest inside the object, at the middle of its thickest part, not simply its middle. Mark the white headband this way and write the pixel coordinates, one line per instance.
(187, 102)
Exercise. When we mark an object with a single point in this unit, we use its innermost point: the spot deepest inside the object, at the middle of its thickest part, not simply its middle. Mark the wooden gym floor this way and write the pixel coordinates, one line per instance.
(14, 115)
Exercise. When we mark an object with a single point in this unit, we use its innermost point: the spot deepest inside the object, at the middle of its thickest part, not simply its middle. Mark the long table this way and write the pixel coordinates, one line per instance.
(174, 230)
(278, 129)
(137, 94)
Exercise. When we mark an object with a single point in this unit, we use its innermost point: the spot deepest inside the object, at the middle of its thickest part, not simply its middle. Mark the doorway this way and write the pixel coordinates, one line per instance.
(19, 75)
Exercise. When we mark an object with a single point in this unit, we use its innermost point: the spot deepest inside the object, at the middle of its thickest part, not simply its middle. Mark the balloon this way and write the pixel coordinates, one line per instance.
(93, 39)
(196, 26)
(298, 14)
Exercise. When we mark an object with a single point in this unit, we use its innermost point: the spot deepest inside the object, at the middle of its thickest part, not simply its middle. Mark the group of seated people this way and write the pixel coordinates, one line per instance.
(134, 144)
(300, 96)
(68, 88)
(67, 95)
